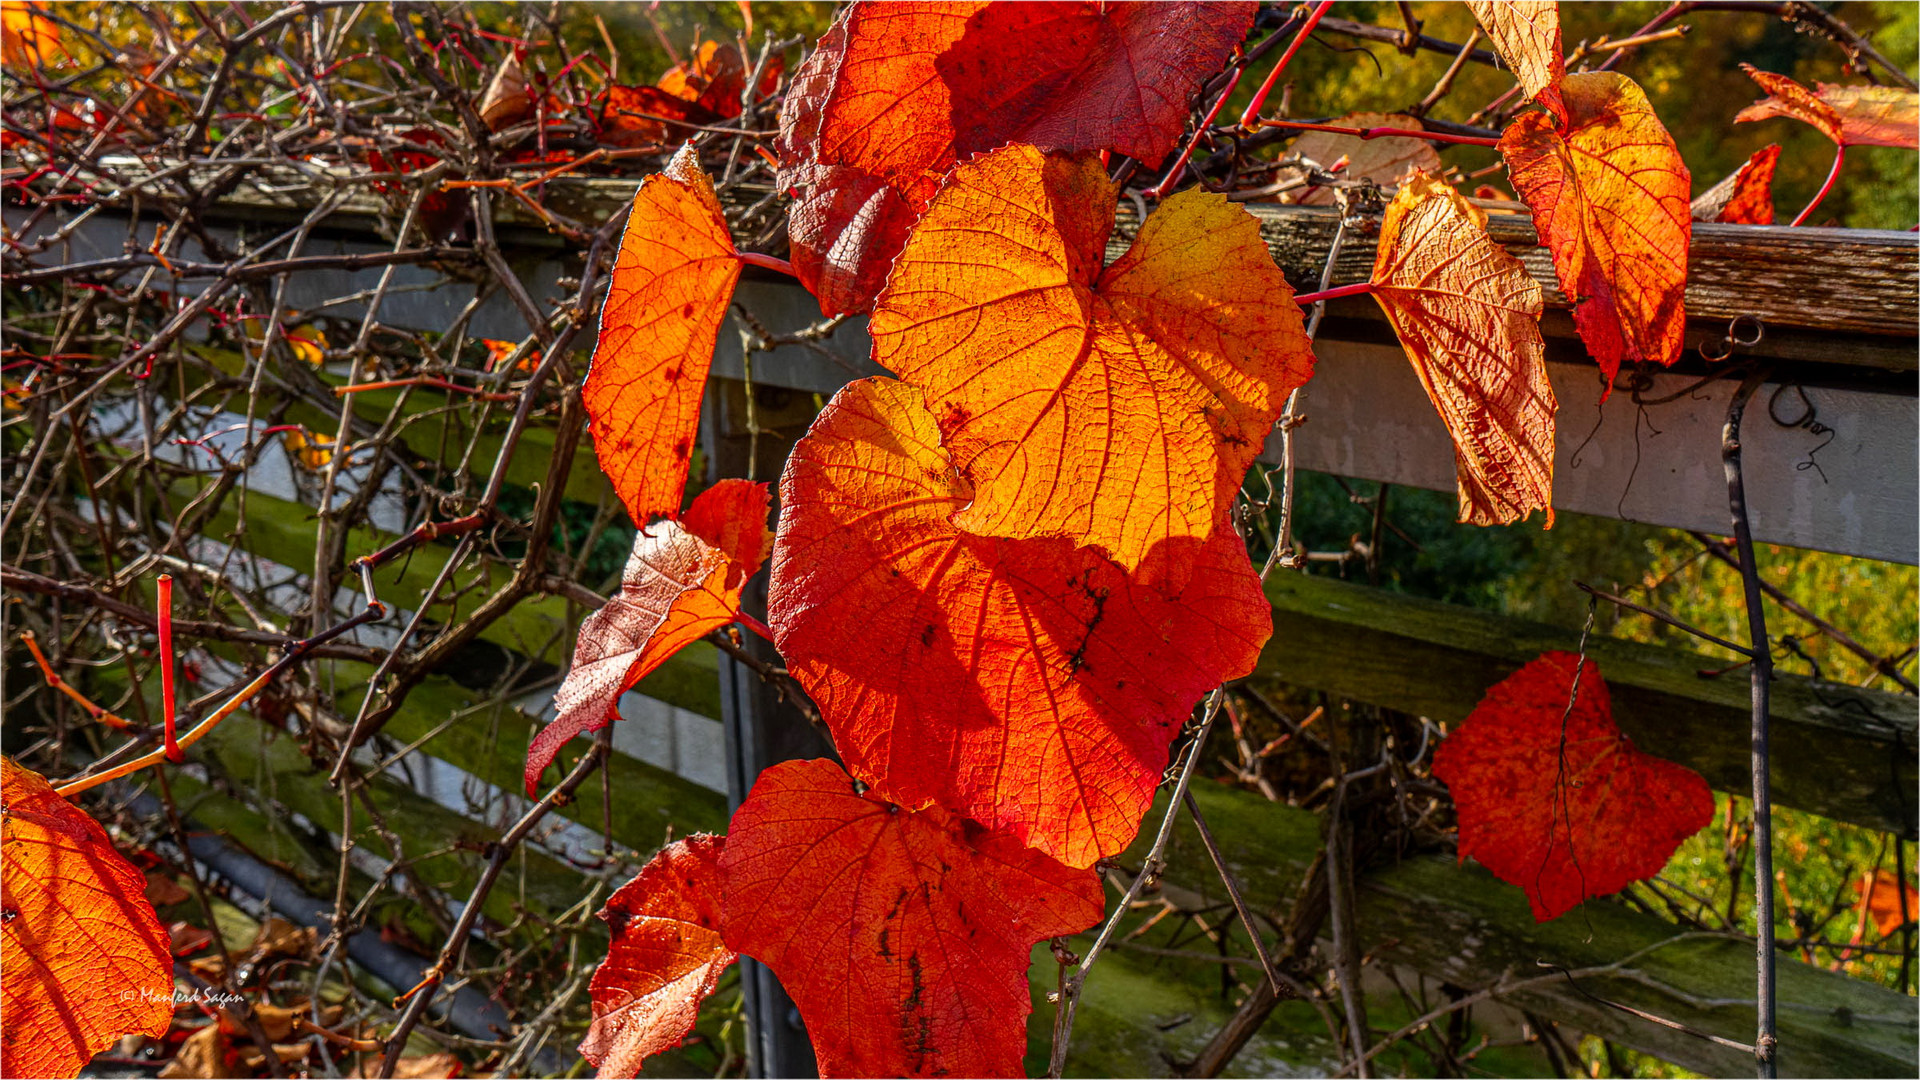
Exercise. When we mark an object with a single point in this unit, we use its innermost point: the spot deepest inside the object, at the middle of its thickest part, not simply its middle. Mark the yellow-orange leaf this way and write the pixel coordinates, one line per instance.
(85, 957)
(1849, 115)
(1384, 161)
(669, 293)
(1468, 315)
(28, 38)
(1116, 408)
(1609, 194)
(1526, 34)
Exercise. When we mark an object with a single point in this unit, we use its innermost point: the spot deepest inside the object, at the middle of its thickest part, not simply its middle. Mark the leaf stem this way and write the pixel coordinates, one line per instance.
(1385, 133)
(1358, 288)
(1250, 119)
(54, 680)
(754, 625)
(768, 262)
(170, 747)
(428, 382)
(1839, 157)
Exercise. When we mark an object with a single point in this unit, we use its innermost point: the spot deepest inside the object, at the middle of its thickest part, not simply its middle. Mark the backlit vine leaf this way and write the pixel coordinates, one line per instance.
(897, 94)
(1384, 161)
(665, 958)
(28, 37)
(85, 959)
(1468, 315)
(1746, 196)
(670, 289)
(682, 582)
(1849, 115)
(1027, 684)
(902, 935)
(1559, 802)
(1526, 34)
(1118, 408)
(715, 78)
(1609, 195)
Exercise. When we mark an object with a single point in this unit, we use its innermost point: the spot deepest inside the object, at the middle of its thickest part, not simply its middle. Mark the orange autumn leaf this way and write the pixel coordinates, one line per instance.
(1848, 115)
(665, 958)
(1526, 34)
(86, 959)
(1609, 196)
(506, 101)
(904, 936)
(670, 288)
(638, 116)
(1559, 802)
(1118, 408)
(311, 450)
(1884, 904)
(682, 582)
(896, 94)
(1384, 161)
(28, 38)
(716, 76)
(1027, 684)
(1746, 196)
(1468, 315)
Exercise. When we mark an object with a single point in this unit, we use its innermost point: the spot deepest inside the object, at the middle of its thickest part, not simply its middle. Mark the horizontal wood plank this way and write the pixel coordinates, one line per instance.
(1839, 751)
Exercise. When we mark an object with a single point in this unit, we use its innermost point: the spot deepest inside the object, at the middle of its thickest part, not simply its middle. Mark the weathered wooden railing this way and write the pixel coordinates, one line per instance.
(1839, 313)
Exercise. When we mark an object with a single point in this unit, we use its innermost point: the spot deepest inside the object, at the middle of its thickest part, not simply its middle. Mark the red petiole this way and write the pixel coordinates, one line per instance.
(1159, 191)
(1249, 120)
(1357, 289)
(1839, 157)
(754, 258)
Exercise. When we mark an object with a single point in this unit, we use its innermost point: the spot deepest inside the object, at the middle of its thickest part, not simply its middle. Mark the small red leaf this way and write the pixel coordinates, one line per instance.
(682, 582)
(665, 958)
(85, 959)
(1564, 809)
(896, 94)
(1746, 196)
(670, 290)
(1028, 684)
(1849, 115)
(903, 936)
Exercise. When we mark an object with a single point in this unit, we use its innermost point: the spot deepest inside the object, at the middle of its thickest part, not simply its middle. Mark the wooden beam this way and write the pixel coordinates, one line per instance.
(1457, 923)
(1840, 752)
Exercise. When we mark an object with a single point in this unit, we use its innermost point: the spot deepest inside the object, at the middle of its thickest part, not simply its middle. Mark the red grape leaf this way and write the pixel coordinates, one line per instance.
(1027, 684)
(902, 935)
(1746, 196)
(1117, 408)
(665, 958)
(644, 116)
(1849, 115)
(716, 76)
(1468, 315)
(86, 959)
(896, 94)
(1526, 34)
(1609, 194)
(670, 289)
(1383, 161)
(682, 582)
(1564, 809)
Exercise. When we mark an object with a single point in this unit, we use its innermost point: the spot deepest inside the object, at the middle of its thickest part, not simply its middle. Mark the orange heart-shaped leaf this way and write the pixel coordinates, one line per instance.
(1848, 115)
(682, 582)
(665, 958)
(669, 292)
(1526, 34)
(1117, 408)
(1468, 315)
(1745, 197)
(896, 94)
(86, 959)
(904, 936)
(1027, 684)
(1609, 195)
(1384, 161)
(1555, 799)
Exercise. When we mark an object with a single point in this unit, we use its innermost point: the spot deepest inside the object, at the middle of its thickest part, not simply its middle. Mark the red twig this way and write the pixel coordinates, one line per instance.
(1385, 133)
(1159, 191)
(754, 258)
(1839, 156)
(1252, 114)
(172, 746)
(428, 382)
